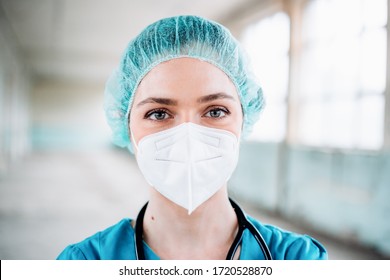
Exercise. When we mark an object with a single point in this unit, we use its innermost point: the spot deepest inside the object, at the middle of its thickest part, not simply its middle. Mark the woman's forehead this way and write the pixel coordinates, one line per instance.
(189, 75)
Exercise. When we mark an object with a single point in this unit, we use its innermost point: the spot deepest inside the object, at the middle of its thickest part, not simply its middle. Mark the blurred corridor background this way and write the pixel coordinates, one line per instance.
(318, 161)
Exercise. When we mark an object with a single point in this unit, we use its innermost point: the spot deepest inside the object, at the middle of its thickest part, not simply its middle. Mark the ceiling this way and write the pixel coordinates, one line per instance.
(82, 40)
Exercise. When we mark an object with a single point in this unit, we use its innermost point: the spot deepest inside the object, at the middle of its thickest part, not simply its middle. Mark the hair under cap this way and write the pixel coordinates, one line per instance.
(176, 37)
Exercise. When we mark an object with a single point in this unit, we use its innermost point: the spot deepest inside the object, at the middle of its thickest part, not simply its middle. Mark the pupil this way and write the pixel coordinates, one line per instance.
(159, 115)
(215, 113)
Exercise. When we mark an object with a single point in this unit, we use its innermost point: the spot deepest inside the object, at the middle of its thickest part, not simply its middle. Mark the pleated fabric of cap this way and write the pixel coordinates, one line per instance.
(176, 37)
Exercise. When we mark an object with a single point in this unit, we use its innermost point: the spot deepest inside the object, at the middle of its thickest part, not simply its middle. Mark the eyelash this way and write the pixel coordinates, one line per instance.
(150, 113)
(165, 111)
(217, 108)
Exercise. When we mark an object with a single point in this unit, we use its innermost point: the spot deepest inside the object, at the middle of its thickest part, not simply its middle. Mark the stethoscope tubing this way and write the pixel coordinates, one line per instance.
(139, 248)
(243, 223)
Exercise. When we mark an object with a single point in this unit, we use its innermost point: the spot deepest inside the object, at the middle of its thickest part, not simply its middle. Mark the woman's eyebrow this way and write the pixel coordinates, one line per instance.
(159, 100)
(214, 96)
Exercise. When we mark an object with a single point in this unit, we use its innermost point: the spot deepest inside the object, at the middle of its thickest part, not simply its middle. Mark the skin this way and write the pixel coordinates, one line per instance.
(174, 92)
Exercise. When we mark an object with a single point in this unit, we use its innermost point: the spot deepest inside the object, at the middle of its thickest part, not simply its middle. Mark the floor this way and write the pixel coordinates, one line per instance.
(54, 198)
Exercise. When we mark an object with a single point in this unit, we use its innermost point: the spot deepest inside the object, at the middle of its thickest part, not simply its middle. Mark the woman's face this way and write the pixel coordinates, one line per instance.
(185, 90)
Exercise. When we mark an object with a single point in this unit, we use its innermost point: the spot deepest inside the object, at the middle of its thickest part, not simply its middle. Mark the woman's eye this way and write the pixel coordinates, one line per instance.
(157, 115)
(216, 113)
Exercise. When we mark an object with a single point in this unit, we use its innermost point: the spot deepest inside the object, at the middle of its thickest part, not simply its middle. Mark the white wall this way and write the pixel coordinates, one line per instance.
(14, 98)
(68, 116)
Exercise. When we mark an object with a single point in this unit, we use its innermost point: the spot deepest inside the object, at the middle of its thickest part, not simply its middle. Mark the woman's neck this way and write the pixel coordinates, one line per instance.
(205, 234)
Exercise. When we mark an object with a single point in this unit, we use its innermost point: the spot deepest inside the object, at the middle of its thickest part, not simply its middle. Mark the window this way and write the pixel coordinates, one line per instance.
(267, 44)
(342, 79)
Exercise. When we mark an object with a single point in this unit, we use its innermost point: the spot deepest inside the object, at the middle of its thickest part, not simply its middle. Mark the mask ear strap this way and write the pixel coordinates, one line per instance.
(132, 139)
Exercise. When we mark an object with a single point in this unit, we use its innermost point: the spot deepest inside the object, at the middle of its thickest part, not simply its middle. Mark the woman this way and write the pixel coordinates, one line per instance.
(181, 100)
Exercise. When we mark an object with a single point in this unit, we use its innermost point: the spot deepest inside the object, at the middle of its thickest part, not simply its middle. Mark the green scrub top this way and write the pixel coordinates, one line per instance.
(117, 243)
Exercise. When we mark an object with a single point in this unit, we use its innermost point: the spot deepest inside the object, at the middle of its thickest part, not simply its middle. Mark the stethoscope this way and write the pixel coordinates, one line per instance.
(243, 223)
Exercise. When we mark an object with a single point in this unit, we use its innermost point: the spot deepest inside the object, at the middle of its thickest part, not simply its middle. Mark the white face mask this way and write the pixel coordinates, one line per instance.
(188, 163)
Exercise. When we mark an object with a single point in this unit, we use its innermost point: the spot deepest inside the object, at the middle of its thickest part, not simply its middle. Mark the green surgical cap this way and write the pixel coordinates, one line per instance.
(176, 37)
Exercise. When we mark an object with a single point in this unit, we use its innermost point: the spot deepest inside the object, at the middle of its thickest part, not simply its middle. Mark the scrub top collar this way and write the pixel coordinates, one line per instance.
(246, 252)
